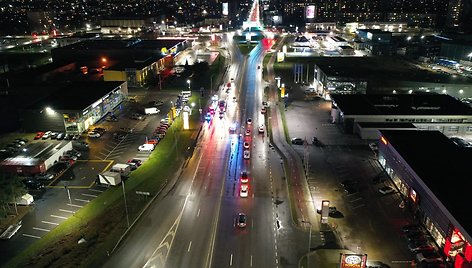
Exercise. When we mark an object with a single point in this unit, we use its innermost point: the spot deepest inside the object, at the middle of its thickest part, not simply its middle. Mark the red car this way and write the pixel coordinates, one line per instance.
(39, 135)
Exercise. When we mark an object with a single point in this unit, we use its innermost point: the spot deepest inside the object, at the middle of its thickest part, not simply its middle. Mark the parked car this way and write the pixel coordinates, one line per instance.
(73, 152)
(54, 135)
(99, 130)
(15, 145)
(20, 142)
(39, 135)
(46, 135)
(315, 141)
(68, 136)
(297, 141)
(246, 145)
(386, 190)
(60, 136)
(44, 176)
(146, 148)
(429, 257)
(132, 166)
(331, 211)
(249, 121)
(119, 136)
(76, 137)
(93, 135)
(32, 184)
(138, 162)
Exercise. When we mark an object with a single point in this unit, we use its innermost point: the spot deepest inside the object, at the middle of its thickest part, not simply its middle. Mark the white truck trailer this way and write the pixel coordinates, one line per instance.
(109, 178)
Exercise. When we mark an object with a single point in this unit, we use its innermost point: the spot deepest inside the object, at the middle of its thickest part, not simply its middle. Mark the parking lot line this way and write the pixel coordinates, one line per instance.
(68, 211)
(59, 217)
(359, 206)
(33, 236)
(82, 200)
(52, 223)
(41, 229)
(73, 205)
(90, 195)
(95, 190)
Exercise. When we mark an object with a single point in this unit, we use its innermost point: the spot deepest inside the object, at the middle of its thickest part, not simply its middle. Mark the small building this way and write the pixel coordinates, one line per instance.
(426, 112)
(374, 35)
(346, 50)
(432, 175)
(36, 157)
(136, 73)
(74, 107)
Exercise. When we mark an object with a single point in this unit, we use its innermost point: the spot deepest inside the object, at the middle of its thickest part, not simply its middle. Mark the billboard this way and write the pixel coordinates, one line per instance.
(310, 12)
(225, 9)
(352, 260)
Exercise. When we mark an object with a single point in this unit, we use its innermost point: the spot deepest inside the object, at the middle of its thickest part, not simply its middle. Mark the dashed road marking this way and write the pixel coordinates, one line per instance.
(59, 217)
(33, 236)
(41, 229)
(52, 223)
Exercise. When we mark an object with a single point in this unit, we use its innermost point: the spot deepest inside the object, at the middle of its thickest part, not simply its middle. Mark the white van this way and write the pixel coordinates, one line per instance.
(186, 93)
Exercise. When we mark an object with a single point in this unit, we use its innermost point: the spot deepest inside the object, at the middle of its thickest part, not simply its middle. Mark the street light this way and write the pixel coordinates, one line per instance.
(188, 82)
(470, 55)
(309, 244)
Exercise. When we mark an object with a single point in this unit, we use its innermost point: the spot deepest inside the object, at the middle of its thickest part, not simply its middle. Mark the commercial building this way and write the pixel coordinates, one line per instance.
(75, 111)
(432, 174)
(426, 112)
(36, 157)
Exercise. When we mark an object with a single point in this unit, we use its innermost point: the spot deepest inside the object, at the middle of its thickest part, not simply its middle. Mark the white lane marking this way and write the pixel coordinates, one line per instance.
(33, 236)
(52, 223)
(41, 229)
(68, 211)
(189, 246)
(73, 205)
(231, 260)
(82, 200)
(90, 195)
(95, 190)
(198, 213)
(251, 261)
(59, 217)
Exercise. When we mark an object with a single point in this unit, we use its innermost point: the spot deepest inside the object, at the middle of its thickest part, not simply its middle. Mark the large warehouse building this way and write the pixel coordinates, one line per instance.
(432, 175)
(74, 112)
(36, 157)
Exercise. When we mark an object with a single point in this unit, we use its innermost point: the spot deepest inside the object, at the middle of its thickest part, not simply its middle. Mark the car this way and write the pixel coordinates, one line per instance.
(68, 158)
(155, 103)
(54, 135)
(165, 120)
(39, 135)
(241, 220)
(374, 147)
(429, 257)
(44, 176)
(232, 128)
(74, 153)
(331, 211)
(132, 166)
(248, 132)
(137, 116)
(244, 177)
(263, 110)
(93, 135)
(265, 104)
(247, 154)
(68, 136)
(246, 145)
(167, 125)
(76, 137)
(297, 141)
(258, 66)
(146, 148)
(315, 141)
(422, 247)
(20, 142)
(46, 135)
(15, 145)
(243, 192)
(99, 130)
(119, 136)
(138, 162)
(60, 136)
(221, 115)
(261, 129)
(153, 141)
(32, 184)
(249, 121)
(386, 190)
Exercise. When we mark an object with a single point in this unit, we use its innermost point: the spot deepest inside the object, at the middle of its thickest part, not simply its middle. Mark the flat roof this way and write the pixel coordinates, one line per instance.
(382, 69)
(138, 65)
(34, 153)
(122, 44)
(76, 96)
(400, 104)
(443, 166)
(381, 125)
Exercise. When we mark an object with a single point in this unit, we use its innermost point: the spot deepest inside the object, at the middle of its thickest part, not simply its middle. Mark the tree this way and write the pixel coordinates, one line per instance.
(11, 188)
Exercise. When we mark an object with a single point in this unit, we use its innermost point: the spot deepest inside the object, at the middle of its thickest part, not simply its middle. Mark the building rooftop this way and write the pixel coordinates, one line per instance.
(386, 125)
(400, 104)
(33, 153)
(382, 69)
(76, 96)
(443, 166)
(133, 64)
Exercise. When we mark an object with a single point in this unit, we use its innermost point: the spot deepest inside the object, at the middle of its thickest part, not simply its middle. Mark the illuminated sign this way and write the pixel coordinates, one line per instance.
(352, 260)
(186, 124)
(225, 9)
(280, 56)
(310, 12)
(413, 195)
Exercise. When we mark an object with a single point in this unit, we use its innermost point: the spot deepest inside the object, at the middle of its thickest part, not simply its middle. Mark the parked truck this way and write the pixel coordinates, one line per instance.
(25, 200)
(123, 169)
(109, 178)
(151, 110)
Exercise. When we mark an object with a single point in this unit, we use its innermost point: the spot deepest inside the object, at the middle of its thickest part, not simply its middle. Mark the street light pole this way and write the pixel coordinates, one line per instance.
(188, 82)
(126, 206)
(309, 245)
(211, 84)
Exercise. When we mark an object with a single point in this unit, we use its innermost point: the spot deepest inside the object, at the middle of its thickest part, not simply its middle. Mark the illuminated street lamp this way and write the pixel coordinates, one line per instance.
(104, 60)
(188, 82)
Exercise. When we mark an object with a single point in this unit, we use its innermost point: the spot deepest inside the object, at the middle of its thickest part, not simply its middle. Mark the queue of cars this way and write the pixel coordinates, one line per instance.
(422, 245)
